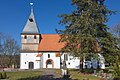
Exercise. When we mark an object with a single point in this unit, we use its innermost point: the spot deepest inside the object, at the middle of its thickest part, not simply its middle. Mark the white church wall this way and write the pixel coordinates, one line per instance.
(41, 60)
(30, 38)
(74, 62)
(29, 57)
(56, 60)
(94, 63)
(57, 63)
(102, 61)
(71, 62)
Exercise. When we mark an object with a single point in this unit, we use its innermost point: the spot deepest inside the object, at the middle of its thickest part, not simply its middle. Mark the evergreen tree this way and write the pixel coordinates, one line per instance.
(85, 30)
(117, 68)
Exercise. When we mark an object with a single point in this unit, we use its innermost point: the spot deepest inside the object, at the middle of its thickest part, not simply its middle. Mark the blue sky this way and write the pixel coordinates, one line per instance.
(14, 14)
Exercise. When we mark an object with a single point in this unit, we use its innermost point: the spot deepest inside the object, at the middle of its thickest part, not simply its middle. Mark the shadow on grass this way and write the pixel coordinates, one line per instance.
(51, 77)
(46, 77)
(30, 78)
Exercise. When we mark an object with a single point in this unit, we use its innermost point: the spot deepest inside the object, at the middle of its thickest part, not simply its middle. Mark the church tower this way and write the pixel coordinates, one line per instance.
(30, 36)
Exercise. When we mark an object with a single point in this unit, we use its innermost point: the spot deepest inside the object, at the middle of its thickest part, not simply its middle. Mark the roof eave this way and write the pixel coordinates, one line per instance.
(30, 33)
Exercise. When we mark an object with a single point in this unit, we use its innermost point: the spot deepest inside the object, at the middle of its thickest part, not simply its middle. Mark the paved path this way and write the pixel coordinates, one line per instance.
(50, 74)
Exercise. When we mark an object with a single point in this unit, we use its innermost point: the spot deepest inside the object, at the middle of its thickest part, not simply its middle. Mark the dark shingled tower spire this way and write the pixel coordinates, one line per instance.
(31, 26)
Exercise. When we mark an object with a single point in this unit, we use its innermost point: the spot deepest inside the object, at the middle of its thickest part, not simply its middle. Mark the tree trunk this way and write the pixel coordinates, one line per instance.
(81, 64)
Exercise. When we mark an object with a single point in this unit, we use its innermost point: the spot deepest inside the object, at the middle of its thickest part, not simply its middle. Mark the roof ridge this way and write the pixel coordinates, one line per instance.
(50, 34)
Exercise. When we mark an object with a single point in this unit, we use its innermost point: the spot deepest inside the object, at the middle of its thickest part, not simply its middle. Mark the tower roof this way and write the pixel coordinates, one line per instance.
(31, 26)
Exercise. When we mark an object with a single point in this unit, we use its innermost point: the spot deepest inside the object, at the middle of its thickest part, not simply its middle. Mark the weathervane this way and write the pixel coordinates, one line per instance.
(31, 2)
(31, 6)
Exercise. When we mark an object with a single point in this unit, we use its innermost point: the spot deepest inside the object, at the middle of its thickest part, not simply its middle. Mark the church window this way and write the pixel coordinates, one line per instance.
(70, 58)
(60, 63)
(48, 55)
(69, 63)
(66, 57)
(25, 37)
(35, 37)
(30, 19)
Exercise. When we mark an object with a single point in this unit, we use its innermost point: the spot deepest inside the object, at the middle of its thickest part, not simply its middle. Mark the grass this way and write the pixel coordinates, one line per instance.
(80, 76)
(23, 75)
(34, 75)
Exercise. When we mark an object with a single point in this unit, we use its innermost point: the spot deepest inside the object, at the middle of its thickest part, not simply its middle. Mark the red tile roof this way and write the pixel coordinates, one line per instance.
(39, 55)
(50, 42)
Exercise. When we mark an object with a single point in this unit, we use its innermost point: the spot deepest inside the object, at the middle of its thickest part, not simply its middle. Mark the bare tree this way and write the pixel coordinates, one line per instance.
(115, 30)
(2, 55)
(8, 51)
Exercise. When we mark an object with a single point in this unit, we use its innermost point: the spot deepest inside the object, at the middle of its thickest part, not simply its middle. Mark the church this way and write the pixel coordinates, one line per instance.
(43, 50)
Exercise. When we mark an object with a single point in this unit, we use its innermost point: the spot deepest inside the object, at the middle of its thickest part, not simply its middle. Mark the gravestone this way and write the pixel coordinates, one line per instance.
(95, 73)
(99, 73)
(105, 76)
(110, 77)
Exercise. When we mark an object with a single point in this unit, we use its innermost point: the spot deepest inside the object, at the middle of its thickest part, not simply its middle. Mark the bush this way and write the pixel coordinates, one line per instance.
(3, 75)
(116, 78)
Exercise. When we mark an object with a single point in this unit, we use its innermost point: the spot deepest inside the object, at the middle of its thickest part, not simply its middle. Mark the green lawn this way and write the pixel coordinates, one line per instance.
(34, 75)
(23, 74)
(79, 76)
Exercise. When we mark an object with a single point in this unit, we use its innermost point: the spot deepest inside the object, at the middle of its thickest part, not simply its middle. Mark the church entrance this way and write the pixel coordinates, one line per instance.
(31, 65)
(49, 63)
